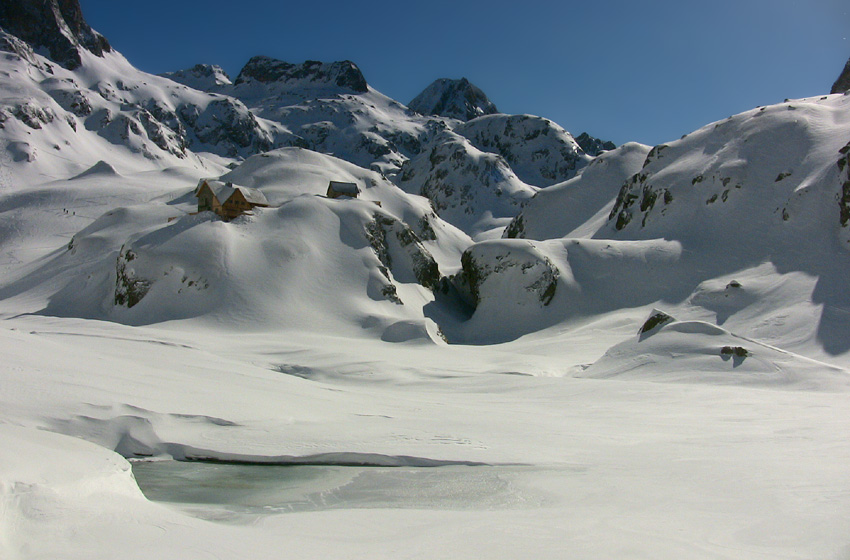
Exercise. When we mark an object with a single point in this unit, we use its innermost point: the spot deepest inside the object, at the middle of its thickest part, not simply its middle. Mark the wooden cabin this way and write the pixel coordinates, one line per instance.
(337, 189)
(226, 199)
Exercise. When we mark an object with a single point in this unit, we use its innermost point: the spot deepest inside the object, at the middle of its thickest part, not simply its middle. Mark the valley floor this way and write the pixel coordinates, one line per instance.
(580, 468)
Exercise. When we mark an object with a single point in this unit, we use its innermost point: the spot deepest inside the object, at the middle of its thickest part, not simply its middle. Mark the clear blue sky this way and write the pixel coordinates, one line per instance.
(621, 70)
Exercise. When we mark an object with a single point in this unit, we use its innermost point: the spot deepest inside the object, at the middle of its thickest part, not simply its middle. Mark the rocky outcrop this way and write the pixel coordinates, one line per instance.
(227, 124)
(471, 189)
(268, 70)
(532, 276)
(129, 289)
(593, 146)
(55, 25)
(456, 99)
(402, 256)
(540, 152)
(842, 84)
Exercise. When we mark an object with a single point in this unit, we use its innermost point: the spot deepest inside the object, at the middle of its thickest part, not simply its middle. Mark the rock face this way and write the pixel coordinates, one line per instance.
(593, 146)
(56, 25)
(267, 70)
(456, 99)
(540, 152)
(472, 189)
(842, 84)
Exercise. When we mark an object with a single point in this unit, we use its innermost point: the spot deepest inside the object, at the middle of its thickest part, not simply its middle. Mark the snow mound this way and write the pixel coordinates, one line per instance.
(699, 352)
(100, 169)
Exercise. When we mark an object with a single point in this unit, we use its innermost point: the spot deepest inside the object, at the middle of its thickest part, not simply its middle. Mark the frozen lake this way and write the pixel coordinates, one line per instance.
(215, 490)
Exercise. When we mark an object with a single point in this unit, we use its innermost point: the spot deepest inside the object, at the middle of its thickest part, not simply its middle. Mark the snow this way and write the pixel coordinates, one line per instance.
(455, 393)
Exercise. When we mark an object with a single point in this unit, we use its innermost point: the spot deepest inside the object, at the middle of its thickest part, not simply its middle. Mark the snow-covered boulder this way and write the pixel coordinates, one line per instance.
(699, 352)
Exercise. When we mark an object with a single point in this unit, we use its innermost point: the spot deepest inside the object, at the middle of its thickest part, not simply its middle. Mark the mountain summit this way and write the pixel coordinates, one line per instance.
(456, 99)
(311, 73)
(56, 25)
(842, 84)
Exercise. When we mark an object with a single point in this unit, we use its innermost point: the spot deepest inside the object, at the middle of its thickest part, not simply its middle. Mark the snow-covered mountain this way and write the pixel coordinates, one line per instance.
(57, 27)
(756, 202)
(455, 99)
(842, 84)
(574, 332)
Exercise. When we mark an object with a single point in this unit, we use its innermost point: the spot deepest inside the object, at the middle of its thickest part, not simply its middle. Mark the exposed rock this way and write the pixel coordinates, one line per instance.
(540, 152)
(842, 84)
(531, 273)
(72, 100)
(129, 289)
(55, 25)
(737, 351)
(267, 70)
(389, 237)
(456, 99)
(593, 146)
(32, 115)
(463, 183)
(656, 320)
(227, 123)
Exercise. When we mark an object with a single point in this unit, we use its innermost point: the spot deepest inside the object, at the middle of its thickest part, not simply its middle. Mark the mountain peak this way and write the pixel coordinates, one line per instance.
(842, 84)
(56, 25)
(311, 73)
(457, 99)
(204, 77)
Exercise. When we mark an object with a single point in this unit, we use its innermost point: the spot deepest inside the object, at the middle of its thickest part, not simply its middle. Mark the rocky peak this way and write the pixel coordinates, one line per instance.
(842, 84)
(204, 77)
(593, 146)
(457, 99)
(310, 74)
(55, 25)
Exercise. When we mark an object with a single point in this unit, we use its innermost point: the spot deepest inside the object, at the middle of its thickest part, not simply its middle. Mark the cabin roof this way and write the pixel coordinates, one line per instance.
(344, 188)
(224, 190)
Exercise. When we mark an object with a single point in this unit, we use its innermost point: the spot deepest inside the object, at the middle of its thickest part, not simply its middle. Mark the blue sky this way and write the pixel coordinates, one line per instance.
(621, 70)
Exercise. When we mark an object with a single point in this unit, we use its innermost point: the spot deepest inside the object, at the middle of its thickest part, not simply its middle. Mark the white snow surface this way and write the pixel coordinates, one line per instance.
(329, 331)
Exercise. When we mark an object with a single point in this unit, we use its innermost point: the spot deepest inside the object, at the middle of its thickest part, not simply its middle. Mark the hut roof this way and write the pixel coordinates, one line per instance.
(224, 191)
(344, 188)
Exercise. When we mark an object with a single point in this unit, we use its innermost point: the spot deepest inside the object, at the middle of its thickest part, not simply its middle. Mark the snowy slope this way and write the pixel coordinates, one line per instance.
(700, 352)
(327, 107)
(474, 190)
(569, 418)
(757, 199)
(559, 210)
(540, 152)
(311, 262)
(60, 122)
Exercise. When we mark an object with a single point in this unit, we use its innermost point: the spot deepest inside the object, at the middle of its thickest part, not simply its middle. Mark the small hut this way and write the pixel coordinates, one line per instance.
(337, 189)
(226, 199)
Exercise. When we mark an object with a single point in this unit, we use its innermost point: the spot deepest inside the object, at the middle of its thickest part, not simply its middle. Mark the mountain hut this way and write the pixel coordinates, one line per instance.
(337, 189)
(226, 199)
